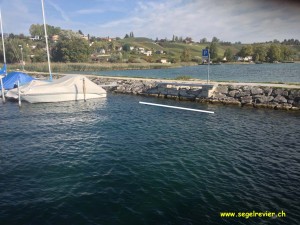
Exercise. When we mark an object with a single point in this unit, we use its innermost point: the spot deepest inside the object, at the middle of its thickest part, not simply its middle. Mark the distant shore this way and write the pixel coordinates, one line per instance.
(81, 67)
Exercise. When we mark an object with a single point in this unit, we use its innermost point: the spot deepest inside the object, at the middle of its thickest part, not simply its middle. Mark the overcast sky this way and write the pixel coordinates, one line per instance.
(247, 21)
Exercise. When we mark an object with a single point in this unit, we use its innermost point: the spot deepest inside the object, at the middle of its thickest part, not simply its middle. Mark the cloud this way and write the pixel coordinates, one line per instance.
(89, 11)
(232, 20)
(60, 10)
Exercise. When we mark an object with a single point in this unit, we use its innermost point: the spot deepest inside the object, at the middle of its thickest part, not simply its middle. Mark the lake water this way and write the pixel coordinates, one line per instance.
(282, 72)
(115, 161)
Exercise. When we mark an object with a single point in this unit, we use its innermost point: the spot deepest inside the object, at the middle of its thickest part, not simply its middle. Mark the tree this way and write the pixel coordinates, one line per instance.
(274, 53)
(126, 47)
(185, 55)
(36, 30)
(228, 54)
(214, 39)
(213, 50)
(68, 34)
(259, 53)
(203, 40)
(73, 50)
(286, 52)
(246, 51)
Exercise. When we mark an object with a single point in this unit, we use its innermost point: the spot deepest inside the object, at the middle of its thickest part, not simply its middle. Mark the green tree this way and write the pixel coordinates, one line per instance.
(228, 54)
(126, 47)
(246, 51)
(259, 53)
(274, 53)
(68, 34)
(36, 30)
(286, 52)
(73, 50)
(185, 55)
(215, 39)
(213, 51)
(203, 40)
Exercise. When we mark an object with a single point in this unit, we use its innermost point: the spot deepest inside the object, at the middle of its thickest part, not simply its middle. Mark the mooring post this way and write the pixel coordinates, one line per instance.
(2, 91)
(19, 94)
(84, 90)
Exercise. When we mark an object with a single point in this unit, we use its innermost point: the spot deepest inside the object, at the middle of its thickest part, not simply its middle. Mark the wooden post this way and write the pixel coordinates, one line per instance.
(84, 90)
(2, 91)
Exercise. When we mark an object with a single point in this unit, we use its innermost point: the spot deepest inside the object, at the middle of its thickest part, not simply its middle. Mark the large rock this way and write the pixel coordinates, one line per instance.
(222, 89)
(264, 99)
(232, 93)
(233, 87)
(246, 99)
(256, 91)
(243, 93)
(280, 99)
(267, 90)
(277, 91)
(218, 95)
(297, 102)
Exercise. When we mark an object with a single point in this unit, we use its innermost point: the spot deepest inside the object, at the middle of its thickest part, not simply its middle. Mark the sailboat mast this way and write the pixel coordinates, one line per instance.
(4, 56)
(46, 37)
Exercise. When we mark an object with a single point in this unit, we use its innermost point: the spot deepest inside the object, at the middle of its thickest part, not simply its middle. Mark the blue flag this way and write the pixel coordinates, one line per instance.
(3, 69)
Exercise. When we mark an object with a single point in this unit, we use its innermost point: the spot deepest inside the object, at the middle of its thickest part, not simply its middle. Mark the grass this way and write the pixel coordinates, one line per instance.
(183, 77)
(72, 67)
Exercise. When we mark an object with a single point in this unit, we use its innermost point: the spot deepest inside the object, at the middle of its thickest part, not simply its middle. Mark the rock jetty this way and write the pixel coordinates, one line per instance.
(286, 97)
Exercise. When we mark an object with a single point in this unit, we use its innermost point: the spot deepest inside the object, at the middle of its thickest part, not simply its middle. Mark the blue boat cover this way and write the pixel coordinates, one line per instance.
(11, 80)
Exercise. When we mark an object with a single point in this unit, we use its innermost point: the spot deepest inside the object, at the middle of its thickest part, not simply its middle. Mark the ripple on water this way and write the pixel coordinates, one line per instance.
(114, 161)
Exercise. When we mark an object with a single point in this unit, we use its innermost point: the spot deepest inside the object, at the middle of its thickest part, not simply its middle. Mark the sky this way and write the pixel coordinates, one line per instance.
(247, 21)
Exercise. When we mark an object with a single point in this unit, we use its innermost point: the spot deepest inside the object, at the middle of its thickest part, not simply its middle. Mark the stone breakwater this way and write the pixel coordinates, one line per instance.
(254, 95)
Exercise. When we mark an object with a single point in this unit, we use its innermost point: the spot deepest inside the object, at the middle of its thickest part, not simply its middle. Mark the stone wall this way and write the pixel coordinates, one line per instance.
(241, 95)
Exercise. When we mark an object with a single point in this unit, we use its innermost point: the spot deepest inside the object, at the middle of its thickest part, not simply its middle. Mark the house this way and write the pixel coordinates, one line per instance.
(85, 37)
(147, 53)
(141, 50)
(55, 37)
(248, 58)
(163, 61)
(35, 38)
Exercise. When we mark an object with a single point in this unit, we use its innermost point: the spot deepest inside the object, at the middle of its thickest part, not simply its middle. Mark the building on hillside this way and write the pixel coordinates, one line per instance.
(85, 37)
(163, 61)
(148, 53)
(35, 38)
(55, 37)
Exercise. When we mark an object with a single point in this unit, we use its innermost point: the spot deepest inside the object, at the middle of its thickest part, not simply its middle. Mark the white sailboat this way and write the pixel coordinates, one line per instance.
(68, 88)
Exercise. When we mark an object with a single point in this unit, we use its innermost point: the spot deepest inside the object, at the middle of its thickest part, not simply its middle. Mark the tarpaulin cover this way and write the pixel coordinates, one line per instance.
(12, 78)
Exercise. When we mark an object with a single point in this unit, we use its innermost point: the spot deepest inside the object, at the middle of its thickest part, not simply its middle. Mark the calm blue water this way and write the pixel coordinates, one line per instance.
(285, 72)
(115, 161)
